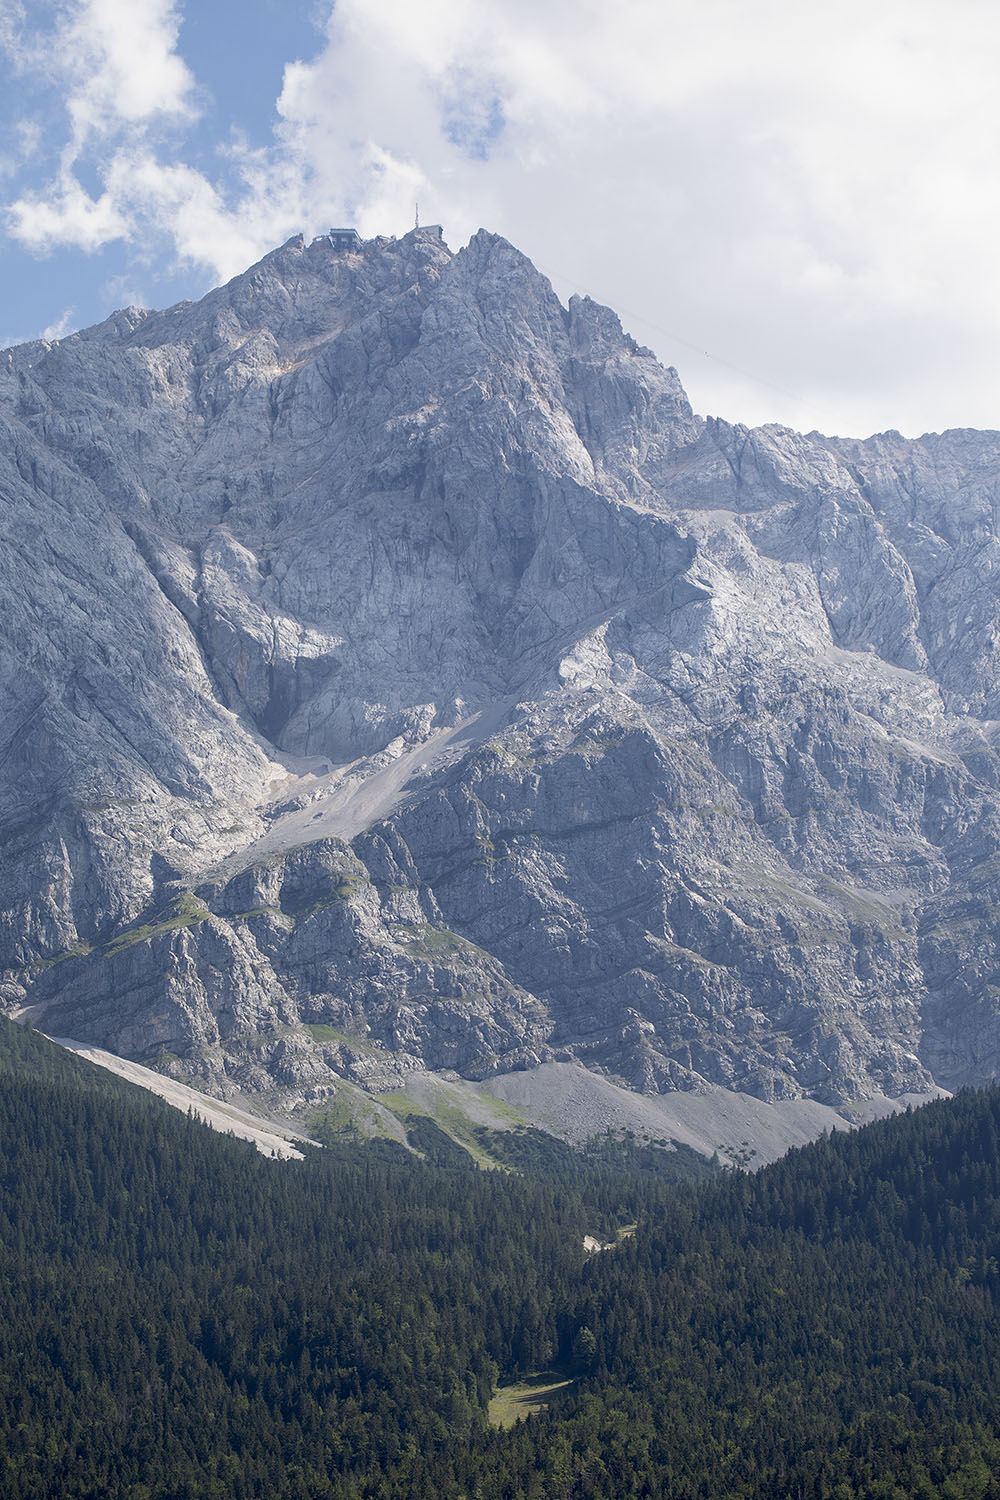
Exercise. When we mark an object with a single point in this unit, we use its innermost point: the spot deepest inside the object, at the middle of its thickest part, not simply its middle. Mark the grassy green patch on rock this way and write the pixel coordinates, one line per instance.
(449, 1120)
(424, 941)
(184, 910)
(350, 1115)
(78, 950)
(321, 1032)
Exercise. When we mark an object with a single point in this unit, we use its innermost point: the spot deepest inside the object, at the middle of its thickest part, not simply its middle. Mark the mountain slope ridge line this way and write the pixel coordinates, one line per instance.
(751, 663)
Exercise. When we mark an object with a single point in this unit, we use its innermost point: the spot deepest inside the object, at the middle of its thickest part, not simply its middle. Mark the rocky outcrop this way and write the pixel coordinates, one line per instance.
(398, 674)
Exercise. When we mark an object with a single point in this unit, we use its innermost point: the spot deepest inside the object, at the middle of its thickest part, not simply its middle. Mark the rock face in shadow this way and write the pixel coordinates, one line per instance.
(395, 672)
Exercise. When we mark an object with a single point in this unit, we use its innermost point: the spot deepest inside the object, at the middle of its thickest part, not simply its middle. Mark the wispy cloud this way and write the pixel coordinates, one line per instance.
(118, 65)
(61, 327)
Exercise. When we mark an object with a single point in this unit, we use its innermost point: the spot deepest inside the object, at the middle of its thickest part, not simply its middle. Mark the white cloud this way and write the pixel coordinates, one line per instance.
(65, 214)
(181, 197)
(61, 327)
(127, 66)
(807, 192)
(118, 64)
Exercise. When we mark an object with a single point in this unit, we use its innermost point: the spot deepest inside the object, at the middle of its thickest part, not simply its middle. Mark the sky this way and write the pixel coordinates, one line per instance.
(796, 204)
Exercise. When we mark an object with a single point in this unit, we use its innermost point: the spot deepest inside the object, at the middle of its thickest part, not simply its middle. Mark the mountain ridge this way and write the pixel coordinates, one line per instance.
(631, 738)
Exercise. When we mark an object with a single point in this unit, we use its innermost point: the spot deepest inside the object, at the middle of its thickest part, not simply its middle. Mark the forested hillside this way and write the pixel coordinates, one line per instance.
(182, 1319)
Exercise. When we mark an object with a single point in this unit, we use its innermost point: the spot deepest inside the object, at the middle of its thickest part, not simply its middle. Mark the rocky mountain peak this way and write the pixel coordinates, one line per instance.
(393, 653)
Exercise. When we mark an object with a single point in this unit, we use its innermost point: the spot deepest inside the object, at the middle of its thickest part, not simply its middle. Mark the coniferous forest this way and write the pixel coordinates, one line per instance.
(182, 1318)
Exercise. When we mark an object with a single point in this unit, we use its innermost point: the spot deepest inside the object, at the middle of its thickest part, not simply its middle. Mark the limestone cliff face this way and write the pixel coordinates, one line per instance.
(395, 671)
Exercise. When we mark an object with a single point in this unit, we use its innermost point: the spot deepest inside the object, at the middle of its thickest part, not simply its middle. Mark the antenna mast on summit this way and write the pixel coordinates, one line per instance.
(416, 215)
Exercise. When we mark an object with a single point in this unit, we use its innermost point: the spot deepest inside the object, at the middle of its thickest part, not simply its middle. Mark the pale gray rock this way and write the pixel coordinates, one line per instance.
(397, 675)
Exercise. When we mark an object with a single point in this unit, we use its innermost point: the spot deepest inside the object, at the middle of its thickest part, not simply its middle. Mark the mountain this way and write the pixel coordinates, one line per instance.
(397, 675)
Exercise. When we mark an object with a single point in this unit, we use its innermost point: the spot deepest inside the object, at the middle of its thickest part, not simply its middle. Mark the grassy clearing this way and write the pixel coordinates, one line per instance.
(532, 1394)
(274, 912)
(349, 1114)
(856, 908)
(338, 1117)
(328, 893)
(422, 940)
(449, 1118)
(184, 911)
(349, 1117)
(454, 1125)
(78, 950)
(321, 1032)
(503, 1111)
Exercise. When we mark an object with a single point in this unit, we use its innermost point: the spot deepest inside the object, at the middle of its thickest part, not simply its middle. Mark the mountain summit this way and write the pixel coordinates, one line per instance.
(397, 675)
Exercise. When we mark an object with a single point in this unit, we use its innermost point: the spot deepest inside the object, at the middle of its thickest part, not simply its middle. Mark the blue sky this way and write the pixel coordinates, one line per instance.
(236, 57)
(796, 205)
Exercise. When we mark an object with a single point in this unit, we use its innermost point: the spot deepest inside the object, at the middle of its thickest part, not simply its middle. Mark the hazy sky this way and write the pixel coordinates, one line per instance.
(795, 203)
